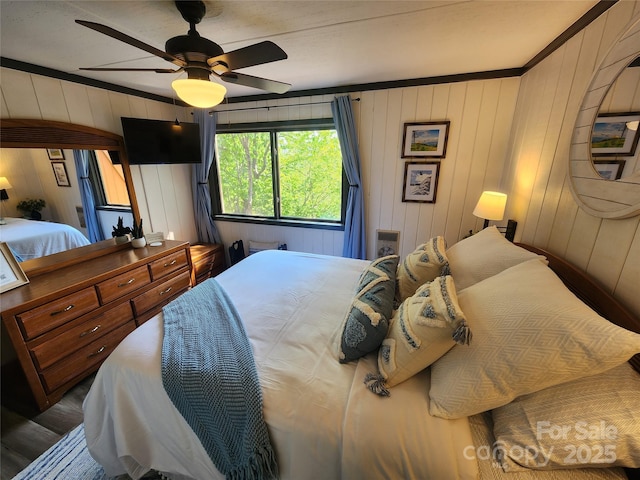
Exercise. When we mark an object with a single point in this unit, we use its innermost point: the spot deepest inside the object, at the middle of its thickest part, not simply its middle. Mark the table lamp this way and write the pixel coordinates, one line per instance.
(490, 206)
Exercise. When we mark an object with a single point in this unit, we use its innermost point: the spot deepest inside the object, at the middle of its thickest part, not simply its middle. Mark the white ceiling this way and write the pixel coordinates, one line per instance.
(329, 43)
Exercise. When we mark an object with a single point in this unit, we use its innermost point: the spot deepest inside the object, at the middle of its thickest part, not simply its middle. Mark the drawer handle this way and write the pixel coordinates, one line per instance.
(98, 352)
(65, 309)
(94, 329)
(120, 285)
(166, 291)
(172, 262)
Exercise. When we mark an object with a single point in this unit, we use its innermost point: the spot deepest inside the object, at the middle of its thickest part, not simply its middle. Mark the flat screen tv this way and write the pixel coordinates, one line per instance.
(150, 142)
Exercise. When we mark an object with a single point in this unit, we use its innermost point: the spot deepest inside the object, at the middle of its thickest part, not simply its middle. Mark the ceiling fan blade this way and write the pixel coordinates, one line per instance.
(156, 70)
(257, 54)
(272, 86)
(132, 41)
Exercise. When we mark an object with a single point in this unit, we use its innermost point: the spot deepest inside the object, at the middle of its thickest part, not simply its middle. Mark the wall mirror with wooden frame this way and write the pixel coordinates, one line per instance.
(598, 194)
(54, 137)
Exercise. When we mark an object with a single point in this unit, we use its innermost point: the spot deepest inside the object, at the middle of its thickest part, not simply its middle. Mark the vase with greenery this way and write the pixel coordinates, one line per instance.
(138, 234)
(31, 207)
(120, 232)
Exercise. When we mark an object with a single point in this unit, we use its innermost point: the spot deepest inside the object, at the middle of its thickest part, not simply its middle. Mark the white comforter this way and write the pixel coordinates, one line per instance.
(30, 239)
(322, 420)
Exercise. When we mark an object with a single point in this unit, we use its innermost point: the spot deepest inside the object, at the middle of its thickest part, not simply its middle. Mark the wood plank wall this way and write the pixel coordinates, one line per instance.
(480, 113)
(540, 195)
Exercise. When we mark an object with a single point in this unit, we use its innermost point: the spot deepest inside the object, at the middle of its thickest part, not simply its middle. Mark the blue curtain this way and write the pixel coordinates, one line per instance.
(354, 234)
(94, 232)
(205, 226)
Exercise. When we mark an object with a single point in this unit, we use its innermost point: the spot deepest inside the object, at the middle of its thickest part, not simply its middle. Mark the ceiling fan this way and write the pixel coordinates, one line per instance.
(200, 58)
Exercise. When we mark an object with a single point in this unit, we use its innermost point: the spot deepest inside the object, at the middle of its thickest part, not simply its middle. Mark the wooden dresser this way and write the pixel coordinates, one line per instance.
(72, 314)
(208, 261)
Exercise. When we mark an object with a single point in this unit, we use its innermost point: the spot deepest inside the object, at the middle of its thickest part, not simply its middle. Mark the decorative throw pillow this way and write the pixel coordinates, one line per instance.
(367, 320)
(425, 263)
(530, 332)
(423, 329)
(483, 255)
(590, 422)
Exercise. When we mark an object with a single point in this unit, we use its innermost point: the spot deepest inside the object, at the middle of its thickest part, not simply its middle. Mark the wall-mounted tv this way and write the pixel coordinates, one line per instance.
(150, 142)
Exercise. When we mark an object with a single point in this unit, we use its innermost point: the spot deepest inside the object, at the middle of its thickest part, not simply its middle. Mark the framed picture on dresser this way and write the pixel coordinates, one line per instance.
(11, 273)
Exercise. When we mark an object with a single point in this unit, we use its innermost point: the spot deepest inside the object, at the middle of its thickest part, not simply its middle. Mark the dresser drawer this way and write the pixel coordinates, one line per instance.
(160, 294)
(39, 320)
(202, 269)
(83, 360)
(218, 265)
(122, 284)
(69, 338)
(207, 260)
(169, 264)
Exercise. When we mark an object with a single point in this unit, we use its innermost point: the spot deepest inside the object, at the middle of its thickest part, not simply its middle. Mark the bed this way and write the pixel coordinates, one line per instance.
(438, 420)
(30, 239)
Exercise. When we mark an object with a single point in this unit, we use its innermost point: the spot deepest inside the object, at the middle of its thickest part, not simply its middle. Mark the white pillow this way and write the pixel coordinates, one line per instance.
(529, 332)
(590, 422)
(483, 255)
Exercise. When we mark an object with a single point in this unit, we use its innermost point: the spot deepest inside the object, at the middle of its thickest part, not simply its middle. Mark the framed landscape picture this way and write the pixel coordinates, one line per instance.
(425, 139)
(615, 134)
(55, 153)
(420, 182)
(609, 169)
(60, 172)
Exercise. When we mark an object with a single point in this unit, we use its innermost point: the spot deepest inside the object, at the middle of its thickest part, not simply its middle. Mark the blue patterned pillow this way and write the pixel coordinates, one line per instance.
(367, 320)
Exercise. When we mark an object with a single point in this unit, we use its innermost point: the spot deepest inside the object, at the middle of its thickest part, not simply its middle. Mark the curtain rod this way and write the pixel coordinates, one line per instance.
(278, 106)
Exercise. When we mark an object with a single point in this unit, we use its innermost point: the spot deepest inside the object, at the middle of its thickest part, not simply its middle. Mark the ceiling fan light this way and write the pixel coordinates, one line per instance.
(199, 93)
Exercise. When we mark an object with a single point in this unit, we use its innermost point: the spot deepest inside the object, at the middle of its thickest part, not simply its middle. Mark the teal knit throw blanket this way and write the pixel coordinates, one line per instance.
(210, 375)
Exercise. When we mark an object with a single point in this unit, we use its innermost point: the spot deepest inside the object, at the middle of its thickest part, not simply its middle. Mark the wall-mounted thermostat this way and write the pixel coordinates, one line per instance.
(387, 243)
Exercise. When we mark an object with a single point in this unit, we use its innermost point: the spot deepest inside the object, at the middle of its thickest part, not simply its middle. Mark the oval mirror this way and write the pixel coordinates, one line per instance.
(604, 179)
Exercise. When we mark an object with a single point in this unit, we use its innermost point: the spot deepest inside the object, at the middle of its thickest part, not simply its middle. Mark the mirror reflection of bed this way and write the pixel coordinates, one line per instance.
(29, 239)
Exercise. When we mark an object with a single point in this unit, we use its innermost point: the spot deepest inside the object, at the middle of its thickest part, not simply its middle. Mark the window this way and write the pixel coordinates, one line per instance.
(107, 182)
(284, 172)
(111, 179)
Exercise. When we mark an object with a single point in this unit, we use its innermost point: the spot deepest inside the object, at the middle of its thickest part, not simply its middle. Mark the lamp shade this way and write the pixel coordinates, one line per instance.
(4, 183)
(199, 93)
(491, 206)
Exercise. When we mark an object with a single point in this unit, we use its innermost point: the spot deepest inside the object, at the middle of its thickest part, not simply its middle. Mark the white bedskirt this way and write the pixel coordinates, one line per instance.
(322, 420)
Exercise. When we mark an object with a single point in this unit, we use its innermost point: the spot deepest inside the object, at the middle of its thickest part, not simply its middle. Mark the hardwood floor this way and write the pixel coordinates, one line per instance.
(26, 433)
